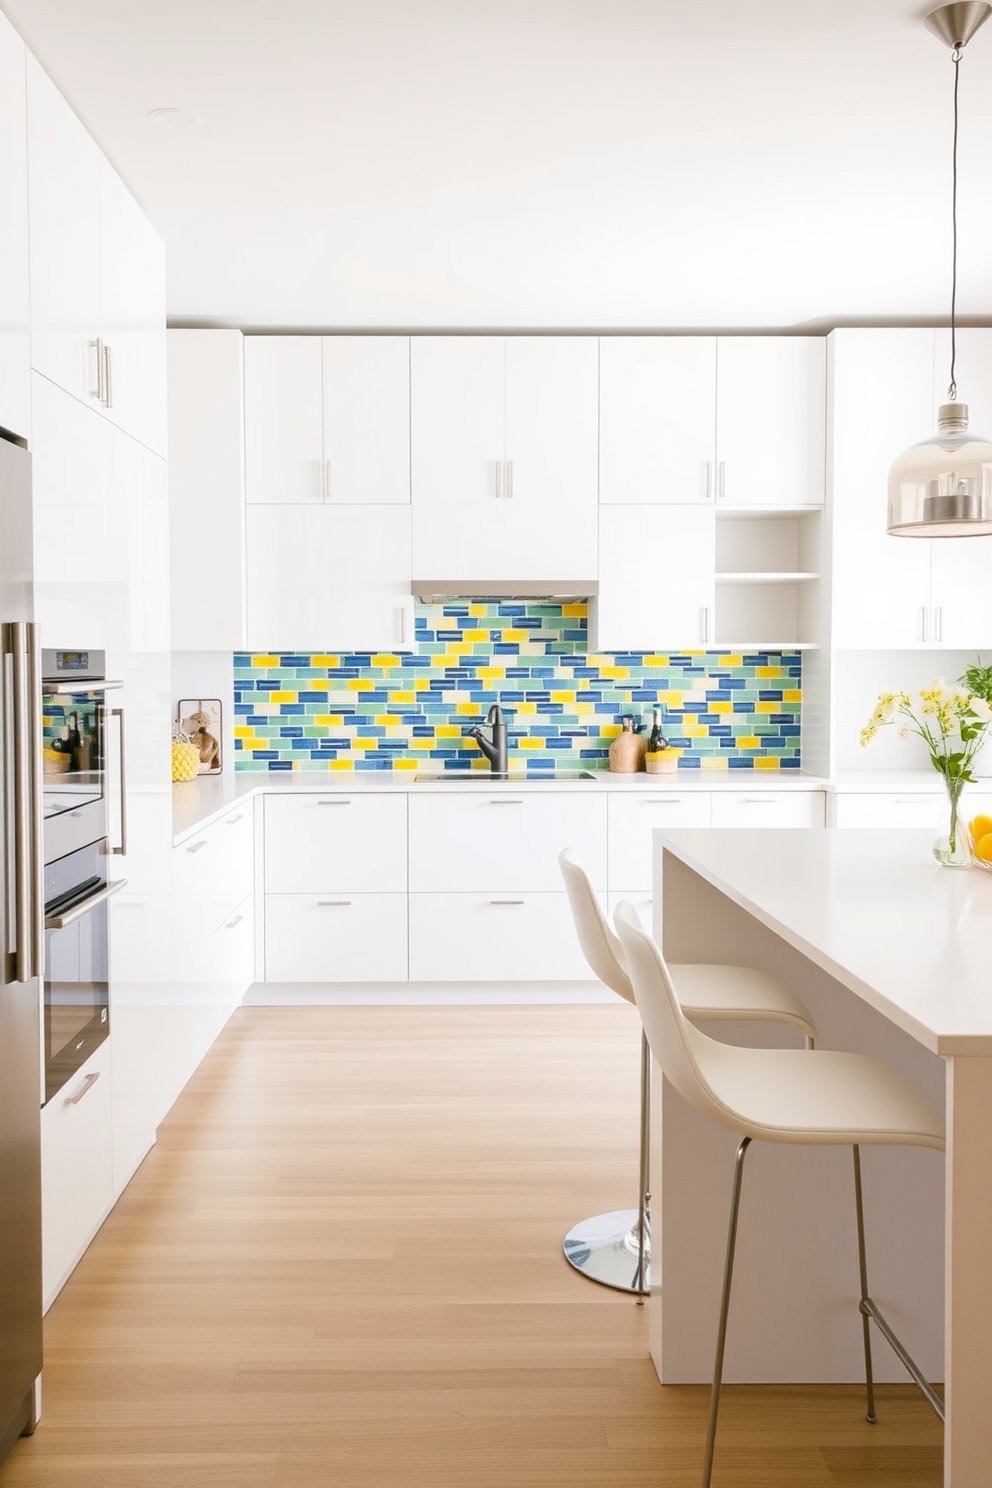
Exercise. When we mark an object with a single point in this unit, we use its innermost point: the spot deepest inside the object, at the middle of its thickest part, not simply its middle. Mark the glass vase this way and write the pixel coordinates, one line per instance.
(952, 844)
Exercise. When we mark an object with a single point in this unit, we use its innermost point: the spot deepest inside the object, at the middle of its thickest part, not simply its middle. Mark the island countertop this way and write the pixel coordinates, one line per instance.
(875, 911)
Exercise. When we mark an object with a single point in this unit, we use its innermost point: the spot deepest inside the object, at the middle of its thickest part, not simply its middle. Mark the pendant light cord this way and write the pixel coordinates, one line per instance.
(952, 390)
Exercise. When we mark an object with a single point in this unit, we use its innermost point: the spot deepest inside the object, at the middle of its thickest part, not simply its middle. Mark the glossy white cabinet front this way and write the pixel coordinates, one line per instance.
(76, 1168)
(516, 936)
(15, 341)
(633, 818)
(503, 840)
(762, 808)
(336, 936)
(335, 841)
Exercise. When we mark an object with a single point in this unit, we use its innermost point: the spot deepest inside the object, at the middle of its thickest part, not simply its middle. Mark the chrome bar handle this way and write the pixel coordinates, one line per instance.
(708, 493)
(508, 901)
(118, 713)
(338, 801)
(498, 479)
(23, 774)
(509, 480)
(705, 622)
(84, 1089)
(327, 480)
(938, 622)
(36, 731)
(721, 480)
(333, 903)
(97, 346)
(923, 623)
(402, 625)
(108, 386)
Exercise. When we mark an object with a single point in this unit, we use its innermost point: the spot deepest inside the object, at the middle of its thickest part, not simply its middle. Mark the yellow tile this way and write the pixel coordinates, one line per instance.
(721, 708)
(477, 611)
(582, 709)
(514, 637)
(794, 695)
(422, 684)
(530, 744)
(492, 672)
(528, 707)
(767, 762)
(768, 671)
(448, 731)
(283, 697)
(766, 707)
(729, 661)
(563, 697)
(386, 661)
(360, 684)
(265, 661)
(328, 720)
(321, 684)
(340, 764)
(575, 611)
(325, 661)
(405, 764)
(402, 697)
(471, 708)
(245, 731)
(715, 762)
(475, 635)
(749, 741)
(614, 672)
(364, 743)
(656, 661)
(670, 699)
(695, 731)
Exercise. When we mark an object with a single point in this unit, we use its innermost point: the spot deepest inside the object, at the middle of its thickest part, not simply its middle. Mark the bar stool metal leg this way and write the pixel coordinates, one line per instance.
(721, 1335)
(870, 1415)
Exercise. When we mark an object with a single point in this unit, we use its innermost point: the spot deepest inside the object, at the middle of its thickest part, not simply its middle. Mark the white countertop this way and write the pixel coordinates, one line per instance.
(201, 801)
(874, 910)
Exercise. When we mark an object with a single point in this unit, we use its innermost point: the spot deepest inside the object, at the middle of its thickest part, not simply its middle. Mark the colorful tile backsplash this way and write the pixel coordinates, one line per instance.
(563, 706)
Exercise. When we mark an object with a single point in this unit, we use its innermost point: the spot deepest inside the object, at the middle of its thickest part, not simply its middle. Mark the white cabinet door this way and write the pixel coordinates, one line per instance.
(15, 296)
(335, 937)
(70, 551)
(961, 592)
(141, 1019)
(284, 441)
(367, 419)
(504, 440)
(331, 577)
(888, 809)
(207, 490)
(881, 399)
(132, 314)
(76, 1170)
(503, 840)
(64, 218)
(335, 843)
(761, 808)
(632, 820)
(457, 421)
(656, 577)
(771, 420)
(233, 957)
(657, 419)
(494, 937)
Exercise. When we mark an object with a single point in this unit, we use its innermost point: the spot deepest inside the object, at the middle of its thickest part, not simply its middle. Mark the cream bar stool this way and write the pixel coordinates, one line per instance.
(615, 1248)
(810, 1097)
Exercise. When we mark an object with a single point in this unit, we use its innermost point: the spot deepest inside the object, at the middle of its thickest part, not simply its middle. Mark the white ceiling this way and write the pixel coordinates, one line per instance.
(546, 164)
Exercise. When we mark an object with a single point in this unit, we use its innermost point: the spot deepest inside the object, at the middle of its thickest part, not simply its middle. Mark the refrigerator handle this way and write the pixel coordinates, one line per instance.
(37, 796)
(118, 713)
(25, 748)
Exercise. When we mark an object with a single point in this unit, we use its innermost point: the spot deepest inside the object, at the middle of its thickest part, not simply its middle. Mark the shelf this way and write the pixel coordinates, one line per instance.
(775, 576)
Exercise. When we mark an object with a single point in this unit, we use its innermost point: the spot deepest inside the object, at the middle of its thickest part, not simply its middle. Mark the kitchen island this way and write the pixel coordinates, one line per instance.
(893, 954)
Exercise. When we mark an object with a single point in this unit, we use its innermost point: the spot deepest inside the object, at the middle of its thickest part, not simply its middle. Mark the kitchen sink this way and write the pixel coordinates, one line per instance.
(480, 777)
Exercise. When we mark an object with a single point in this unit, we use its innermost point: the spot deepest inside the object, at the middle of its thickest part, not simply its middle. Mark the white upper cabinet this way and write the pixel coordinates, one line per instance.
(771, 420)
(15, 347)
(736, 420)
(207, 489)
(327, 419)
(656, 578)
(97, 273)
(64, 219)
(504, 438)
(897, 592)
(334, 578)
(657, 412)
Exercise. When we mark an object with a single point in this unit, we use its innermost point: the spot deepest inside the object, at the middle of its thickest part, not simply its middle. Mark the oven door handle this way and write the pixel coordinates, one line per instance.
(64, 687)
(59, 922)
(118, 713)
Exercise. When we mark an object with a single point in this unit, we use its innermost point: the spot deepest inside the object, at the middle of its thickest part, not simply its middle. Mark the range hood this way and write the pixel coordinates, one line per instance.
(436, 590)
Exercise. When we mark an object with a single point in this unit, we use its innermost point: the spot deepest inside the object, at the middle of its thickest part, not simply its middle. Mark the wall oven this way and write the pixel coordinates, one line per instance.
(75, 794)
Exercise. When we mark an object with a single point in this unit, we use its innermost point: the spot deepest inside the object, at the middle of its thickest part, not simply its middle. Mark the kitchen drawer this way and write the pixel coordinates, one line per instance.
(502, 839)
(76, 1168)
(219, 856)
(903, 808)
(335, 936)
(509, 936)
(335, 843)
(767, 808)
(232, 958)
(633, 818)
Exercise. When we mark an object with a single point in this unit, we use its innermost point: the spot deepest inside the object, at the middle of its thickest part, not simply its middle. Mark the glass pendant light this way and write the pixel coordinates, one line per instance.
(942, 487)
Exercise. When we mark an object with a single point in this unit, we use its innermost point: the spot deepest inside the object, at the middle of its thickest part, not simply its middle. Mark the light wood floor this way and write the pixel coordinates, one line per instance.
(341, 1266)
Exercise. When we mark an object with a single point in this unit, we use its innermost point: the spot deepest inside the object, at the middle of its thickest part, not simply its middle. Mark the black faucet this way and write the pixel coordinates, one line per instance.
(495, 750)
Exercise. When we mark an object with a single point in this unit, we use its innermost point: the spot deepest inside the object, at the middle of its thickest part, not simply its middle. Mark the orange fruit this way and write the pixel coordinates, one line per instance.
(980, 826)
(983, 848)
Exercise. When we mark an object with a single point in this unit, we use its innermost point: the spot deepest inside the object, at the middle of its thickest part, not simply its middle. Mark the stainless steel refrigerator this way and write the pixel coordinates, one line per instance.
(22, 954)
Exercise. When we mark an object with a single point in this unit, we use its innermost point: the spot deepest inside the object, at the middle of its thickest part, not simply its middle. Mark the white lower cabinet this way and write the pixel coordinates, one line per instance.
(902, 808)
(335, 937)
(632, 820)
(141, 1017)
(761, 808)
(503, 840)
(76, 1168)
(213, 957)
(494, 937)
